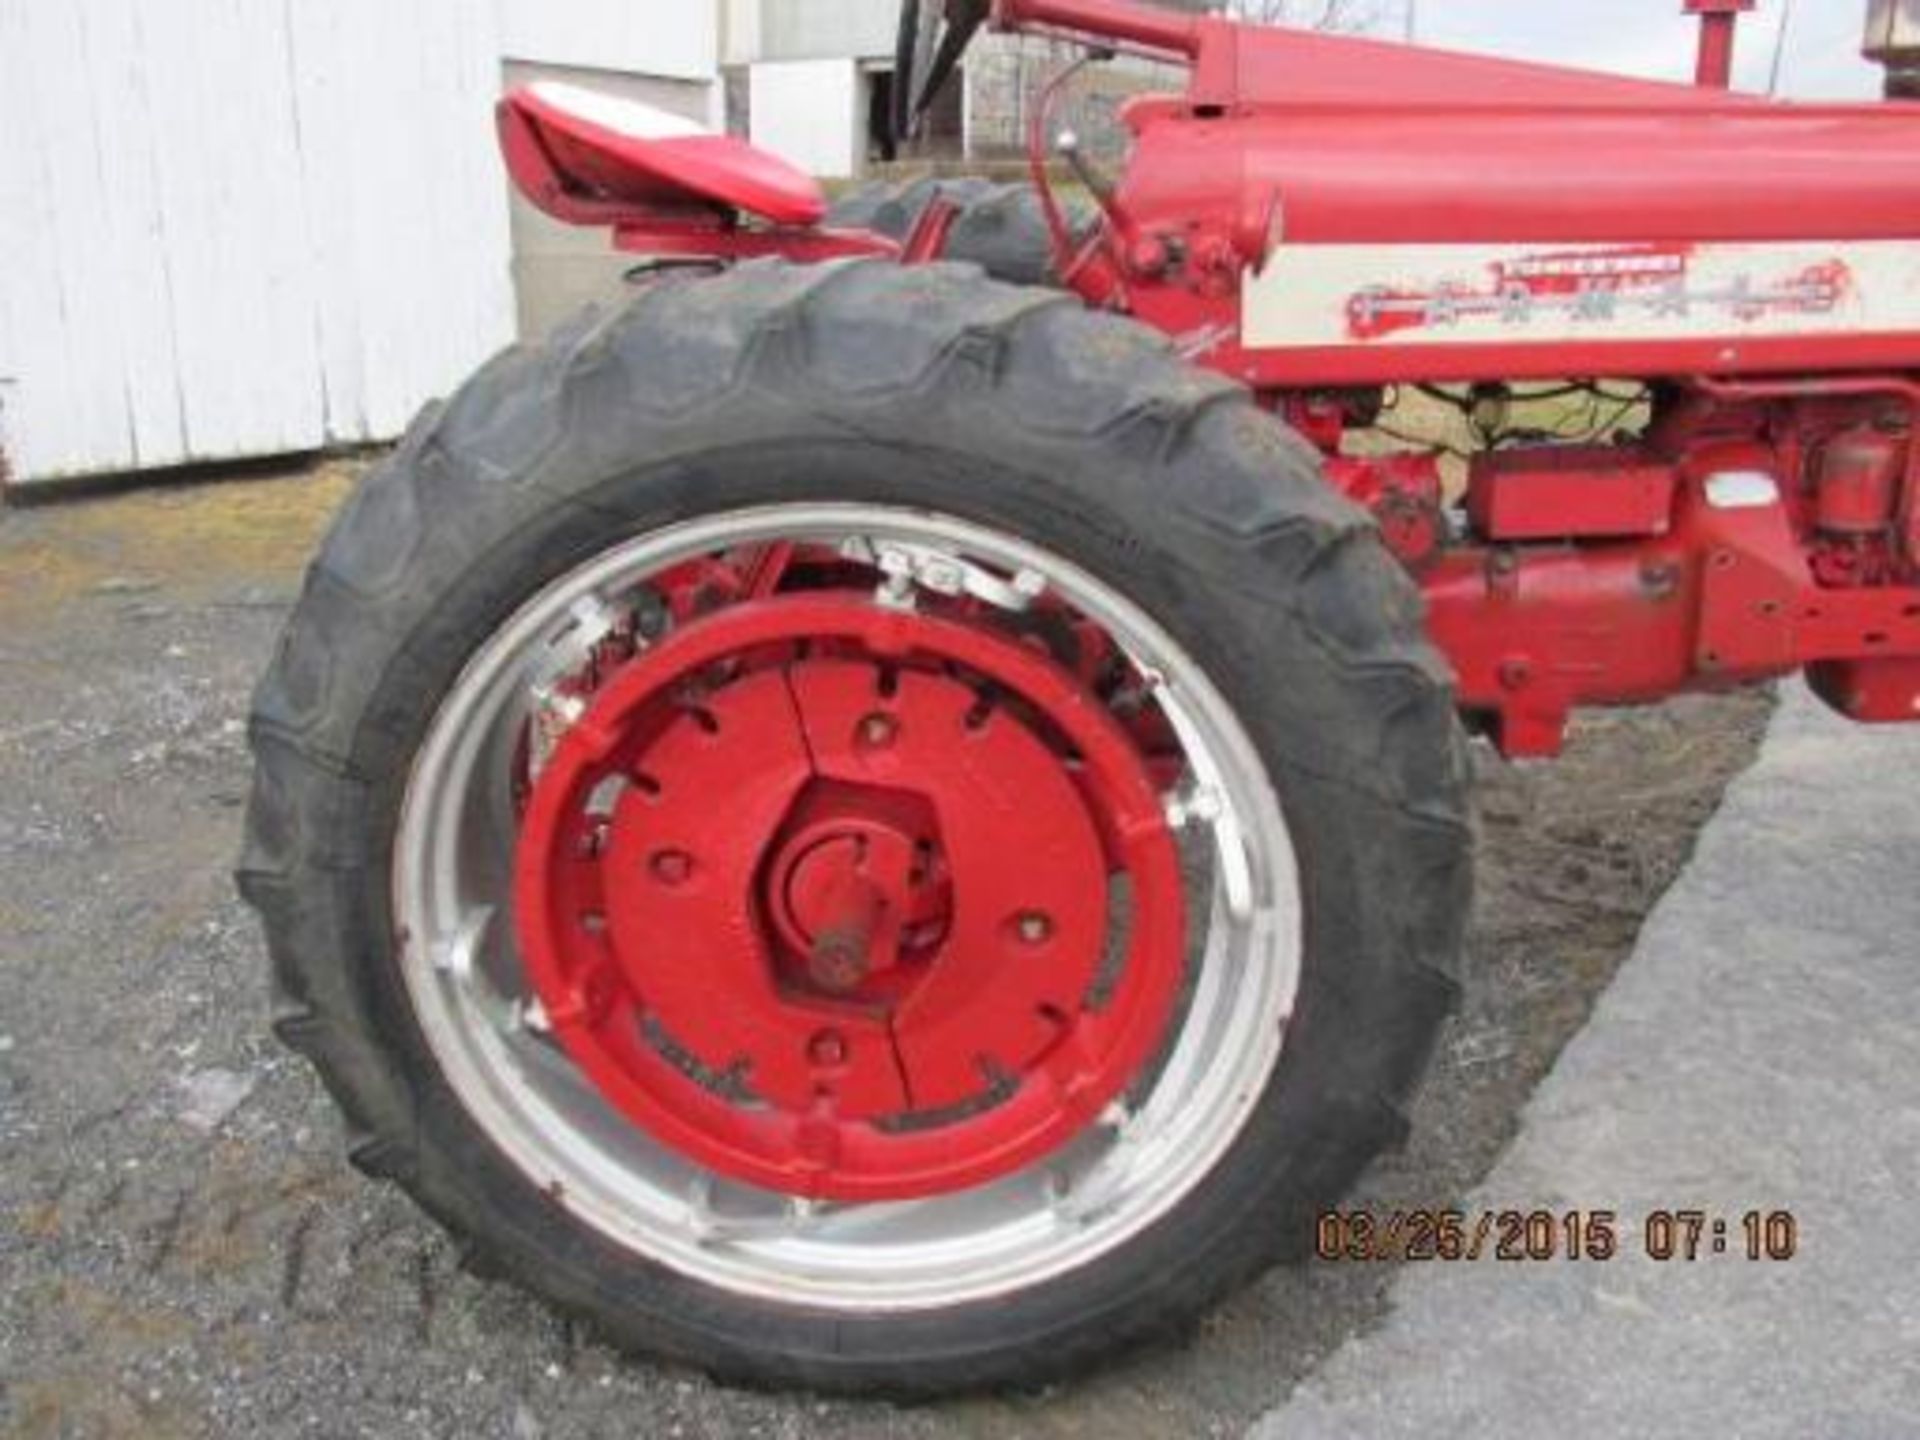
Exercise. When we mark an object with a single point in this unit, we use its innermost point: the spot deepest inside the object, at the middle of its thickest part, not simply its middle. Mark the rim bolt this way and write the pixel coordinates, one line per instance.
(878, 731)
(1034, 927)
(827, 1049)
(671, 867)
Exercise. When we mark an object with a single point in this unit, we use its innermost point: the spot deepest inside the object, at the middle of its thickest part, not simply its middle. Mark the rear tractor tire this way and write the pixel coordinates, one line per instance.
(861, 828)
(1000, 227)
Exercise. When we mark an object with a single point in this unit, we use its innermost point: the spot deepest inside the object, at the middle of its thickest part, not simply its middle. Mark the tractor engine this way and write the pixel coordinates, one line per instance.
(1740, 525)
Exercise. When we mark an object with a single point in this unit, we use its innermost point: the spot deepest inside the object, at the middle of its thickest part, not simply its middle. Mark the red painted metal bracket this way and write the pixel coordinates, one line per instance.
(723, 238)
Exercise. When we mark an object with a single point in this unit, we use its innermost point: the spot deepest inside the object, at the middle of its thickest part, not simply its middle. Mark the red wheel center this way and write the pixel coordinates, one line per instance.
(820, 895)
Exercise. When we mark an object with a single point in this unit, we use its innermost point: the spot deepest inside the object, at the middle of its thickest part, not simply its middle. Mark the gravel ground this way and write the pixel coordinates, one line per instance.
(183, 1250)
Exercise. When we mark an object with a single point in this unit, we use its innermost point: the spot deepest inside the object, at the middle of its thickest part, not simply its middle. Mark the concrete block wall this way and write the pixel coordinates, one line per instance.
(1006, 74)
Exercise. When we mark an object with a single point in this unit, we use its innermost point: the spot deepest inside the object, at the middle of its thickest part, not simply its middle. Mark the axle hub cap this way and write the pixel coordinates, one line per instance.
(850, 903)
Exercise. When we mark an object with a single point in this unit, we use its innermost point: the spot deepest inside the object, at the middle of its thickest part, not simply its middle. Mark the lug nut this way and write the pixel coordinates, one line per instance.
(878, 731)
(827, 1049)
(1034, 928)
(672, 867)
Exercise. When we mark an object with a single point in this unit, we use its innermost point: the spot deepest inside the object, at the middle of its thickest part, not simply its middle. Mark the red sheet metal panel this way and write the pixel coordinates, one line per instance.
(1569, 492)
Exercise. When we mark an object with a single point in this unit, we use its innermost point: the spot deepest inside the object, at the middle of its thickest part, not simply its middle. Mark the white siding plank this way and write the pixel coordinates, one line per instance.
(30, 328)
(320, 63)
(133, 273)
(406, 203)
(428, 261)
(227, 176)
(64, 417)
(394, 127)
(96, 401)
(470, 259)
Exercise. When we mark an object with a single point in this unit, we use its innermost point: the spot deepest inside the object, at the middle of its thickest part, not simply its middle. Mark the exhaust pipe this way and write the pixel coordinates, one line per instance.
(1719, 22)
(1893, 40)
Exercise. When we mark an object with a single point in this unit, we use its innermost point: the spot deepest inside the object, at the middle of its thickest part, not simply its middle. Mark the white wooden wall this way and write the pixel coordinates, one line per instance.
(669, 39)
(233, 228)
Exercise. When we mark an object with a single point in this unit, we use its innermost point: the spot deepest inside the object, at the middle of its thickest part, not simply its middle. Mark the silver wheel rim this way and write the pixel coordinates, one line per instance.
(452, 857)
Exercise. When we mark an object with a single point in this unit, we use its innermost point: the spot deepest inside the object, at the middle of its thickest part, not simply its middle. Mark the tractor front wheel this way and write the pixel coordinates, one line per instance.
(862, 828)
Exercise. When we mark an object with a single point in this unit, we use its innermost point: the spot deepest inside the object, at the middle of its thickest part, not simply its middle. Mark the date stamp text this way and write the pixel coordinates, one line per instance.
(1540, 1236)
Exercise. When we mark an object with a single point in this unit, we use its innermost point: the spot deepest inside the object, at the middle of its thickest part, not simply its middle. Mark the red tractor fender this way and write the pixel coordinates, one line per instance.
(667, 186)
(589, 158)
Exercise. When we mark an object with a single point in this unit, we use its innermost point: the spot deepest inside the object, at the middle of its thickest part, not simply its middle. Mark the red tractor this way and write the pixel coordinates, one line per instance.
(869, 826)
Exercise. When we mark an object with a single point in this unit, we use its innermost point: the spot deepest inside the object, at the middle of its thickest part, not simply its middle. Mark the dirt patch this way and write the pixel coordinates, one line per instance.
(184, 538)
(183, 1249)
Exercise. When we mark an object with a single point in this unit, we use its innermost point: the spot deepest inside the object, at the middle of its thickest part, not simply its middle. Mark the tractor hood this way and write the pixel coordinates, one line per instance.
(1361, 140)
(1452, 172)
(1403, 211)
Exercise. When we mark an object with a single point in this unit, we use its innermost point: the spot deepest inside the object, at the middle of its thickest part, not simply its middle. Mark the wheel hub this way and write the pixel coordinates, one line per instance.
(822, 895)
(858, 892)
